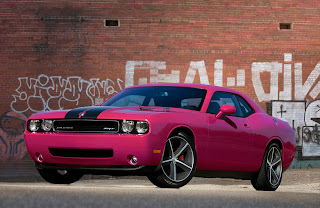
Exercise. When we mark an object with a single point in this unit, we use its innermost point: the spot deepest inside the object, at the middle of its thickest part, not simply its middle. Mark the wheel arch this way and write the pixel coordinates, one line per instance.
(275, 140)
(184, 129)
(279, 142)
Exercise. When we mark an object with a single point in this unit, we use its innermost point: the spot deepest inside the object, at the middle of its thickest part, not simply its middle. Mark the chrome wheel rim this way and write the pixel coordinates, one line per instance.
(274, 166)
(178, 159)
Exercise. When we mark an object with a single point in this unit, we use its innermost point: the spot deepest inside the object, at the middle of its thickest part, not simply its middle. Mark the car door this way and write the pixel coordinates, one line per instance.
(230, 138)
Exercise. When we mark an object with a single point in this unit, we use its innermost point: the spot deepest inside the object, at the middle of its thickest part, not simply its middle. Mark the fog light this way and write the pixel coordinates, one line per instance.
(133, 160)
(40, 158)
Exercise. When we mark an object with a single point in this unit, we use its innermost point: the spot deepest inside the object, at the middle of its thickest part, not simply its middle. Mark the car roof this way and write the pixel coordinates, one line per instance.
(201, 86)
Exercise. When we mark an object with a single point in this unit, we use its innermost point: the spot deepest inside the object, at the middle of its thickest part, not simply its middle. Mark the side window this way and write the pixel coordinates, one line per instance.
(221, 98)
(247, 110)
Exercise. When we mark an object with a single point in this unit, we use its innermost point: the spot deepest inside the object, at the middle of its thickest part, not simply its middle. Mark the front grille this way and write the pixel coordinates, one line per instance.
(90, 153)
(86, 125)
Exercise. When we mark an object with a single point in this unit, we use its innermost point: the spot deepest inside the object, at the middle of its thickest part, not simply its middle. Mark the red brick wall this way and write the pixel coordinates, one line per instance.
(43, 40)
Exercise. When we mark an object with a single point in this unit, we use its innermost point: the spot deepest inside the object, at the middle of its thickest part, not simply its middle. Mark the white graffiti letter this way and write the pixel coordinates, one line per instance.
(287, 84)
(194, 65)
(274, 68)
(154, 67)
(302, 90)
(218, 72)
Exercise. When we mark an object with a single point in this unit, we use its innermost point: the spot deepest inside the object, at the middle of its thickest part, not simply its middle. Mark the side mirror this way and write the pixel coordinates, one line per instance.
(226, 109)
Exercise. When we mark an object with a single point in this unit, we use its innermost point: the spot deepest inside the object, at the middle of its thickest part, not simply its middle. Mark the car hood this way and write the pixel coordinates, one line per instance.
(109, 112)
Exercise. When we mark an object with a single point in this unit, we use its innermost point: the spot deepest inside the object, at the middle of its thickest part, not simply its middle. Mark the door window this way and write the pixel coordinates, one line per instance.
(247, 110)
(222, 98)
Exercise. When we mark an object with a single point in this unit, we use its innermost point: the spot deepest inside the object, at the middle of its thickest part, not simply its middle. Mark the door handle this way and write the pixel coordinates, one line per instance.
(246, 125)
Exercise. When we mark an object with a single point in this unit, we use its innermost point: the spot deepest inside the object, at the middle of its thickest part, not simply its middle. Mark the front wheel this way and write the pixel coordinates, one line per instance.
(270, 174)
(178, 163)
(60, 176)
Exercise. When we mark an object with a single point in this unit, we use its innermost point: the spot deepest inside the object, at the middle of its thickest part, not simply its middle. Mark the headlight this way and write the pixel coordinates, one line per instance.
(47, 125)
(142, 127)
(127, 126)
(34, 125)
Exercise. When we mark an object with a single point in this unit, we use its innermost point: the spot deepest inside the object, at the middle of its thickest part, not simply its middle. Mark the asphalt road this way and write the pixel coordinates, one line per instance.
(299, 188)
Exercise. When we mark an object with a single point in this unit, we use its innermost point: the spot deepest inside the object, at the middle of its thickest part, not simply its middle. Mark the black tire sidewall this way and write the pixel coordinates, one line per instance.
(52, 176)
(260, 182)
(272, 187)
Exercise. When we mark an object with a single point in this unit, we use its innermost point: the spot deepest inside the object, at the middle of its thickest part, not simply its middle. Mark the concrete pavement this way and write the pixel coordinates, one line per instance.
(299, 188)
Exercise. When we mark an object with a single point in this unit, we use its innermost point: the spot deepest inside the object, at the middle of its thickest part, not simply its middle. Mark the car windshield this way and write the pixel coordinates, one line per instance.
(163, 96)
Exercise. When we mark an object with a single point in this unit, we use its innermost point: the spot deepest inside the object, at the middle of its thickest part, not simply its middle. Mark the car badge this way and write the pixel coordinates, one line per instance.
(82, 114)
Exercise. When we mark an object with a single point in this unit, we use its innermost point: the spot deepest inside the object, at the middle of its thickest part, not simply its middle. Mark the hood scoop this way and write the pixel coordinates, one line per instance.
(157, 109)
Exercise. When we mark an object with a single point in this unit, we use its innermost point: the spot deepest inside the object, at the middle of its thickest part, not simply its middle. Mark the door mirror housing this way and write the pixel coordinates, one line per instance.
(227, 110)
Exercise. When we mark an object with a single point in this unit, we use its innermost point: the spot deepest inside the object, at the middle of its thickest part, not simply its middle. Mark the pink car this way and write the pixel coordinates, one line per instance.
(168, 132)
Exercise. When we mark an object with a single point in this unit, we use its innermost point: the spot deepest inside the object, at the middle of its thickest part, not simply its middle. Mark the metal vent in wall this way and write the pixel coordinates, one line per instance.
(285, 26)
(112, 23)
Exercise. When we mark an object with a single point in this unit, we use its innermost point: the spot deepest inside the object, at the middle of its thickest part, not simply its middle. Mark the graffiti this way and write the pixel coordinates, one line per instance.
(154, 67)
(194, 66)
(11, 135)
(218, 72)
(275, 68)
(239, 81)
(298, 91)
(55, 93)
(305, 120)
(311, 141)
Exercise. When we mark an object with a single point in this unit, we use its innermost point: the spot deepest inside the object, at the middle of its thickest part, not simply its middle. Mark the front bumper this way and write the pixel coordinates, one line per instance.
(116, 170)
(147, 148)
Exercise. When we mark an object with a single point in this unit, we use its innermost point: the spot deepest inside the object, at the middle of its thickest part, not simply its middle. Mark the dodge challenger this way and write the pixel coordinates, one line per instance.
(167, 132)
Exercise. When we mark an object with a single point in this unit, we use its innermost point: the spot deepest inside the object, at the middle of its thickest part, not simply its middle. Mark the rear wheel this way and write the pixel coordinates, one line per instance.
(270, 174)
(60, 176)
(178, 163)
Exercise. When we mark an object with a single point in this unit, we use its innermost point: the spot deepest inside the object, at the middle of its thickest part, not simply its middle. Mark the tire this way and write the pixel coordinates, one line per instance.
(178, 164)
(270, 174)
(60, 176)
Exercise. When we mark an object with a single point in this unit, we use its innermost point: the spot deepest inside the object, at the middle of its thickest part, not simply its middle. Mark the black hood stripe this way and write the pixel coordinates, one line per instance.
(91, 112)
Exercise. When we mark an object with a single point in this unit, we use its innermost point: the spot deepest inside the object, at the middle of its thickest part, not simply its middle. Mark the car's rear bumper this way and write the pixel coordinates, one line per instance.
(146, 148)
